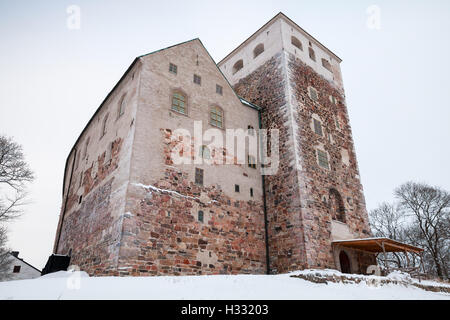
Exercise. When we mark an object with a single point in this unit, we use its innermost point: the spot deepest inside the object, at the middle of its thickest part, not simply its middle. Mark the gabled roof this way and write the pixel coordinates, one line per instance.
(275, 18)
(124, 76)
(24, 262)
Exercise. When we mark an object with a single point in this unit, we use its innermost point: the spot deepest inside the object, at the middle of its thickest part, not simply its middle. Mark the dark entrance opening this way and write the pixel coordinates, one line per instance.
(345, 262)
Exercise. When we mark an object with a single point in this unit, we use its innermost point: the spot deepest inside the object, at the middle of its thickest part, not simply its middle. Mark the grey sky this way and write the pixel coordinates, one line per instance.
(52, 79)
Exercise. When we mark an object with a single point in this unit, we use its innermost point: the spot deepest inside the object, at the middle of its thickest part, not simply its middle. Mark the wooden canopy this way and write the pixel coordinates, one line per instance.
(377, 245)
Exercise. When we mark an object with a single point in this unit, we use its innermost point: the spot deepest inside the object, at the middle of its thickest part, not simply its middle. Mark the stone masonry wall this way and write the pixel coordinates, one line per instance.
(162, 234)
(342, 176)
(266, 87)
(89, 231)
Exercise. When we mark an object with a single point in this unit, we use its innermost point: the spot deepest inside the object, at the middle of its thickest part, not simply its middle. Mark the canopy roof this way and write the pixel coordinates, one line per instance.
(375, 245)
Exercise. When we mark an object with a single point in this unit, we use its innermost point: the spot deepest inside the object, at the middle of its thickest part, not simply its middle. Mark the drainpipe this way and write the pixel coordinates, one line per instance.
(65, 201)
(265, 206)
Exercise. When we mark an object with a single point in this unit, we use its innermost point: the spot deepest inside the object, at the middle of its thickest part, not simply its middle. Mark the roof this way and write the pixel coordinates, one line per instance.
(375, 245)
(249, 104)
(283, 16)
(24, 262)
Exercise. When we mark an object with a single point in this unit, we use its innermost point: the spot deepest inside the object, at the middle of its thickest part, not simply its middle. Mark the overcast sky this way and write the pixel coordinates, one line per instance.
(53, 78)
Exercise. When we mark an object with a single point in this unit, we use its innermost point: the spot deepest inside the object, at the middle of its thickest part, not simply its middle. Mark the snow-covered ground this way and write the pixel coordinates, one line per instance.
(78, 285)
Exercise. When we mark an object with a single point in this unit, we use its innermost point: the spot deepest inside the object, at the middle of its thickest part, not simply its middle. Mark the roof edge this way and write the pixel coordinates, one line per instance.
(283, 16)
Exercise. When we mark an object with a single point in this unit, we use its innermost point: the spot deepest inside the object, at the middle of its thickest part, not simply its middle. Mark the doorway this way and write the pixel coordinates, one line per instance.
(345, 263)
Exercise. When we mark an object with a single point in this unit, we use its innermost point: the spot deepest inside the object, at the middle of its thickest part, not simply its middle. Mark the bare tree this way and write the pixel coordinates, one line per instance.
(388, 221)
(14, 174)
(5, 263)
(430, 209)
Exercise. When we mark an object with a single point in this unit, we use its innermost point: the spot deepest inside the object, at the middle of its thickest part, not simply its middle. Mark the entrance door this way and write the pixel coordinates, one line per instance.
(345, 262)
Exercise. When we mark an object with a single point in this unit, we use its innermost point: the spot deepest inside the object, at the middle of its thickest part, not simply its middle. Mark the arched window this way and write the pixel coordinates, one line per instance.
(337, 206)
(104, 126)
(122, 106)
(179, 102)
(312, 54)
(238, 66)
(296, 43)
(86, 147)
(258, 50)
(216, 117)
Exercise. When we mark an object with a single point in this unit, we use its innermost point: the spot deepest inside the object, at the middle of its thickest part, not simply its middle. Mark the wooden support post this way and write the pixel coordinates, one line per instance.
(407, 259)
(385, 257)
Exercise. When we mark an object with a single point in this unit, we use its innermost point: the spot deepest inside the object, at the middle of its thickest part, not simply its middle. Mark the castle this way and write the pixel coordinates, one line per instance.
(130, 209)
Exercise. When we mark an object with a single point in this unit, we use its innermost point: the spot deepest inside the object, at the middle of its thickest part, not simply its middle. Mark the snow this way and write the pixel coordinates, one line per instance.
(78, 285)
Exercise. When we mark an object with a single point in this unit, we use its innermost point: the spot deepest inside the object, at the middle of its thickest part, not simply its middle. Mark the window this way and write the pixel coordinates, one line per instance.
(172, 68)
(179, 103)
(326, 64)
(219, 89)
(313, 93)
(251, 192)
(251, 162)
(336, 121)
(216, 117)
(296, 43)
(200, 216)
(104, 126)
(317, 127)
(238, 66)
(86, 147)
(121, 107)
(81, 180)
(199, 176)
(337, 206)
(16, 269)
(236, 188)
(323, 159)
(78, 155)
(204, 152)
(197, 79)
(258, 50)
(333, 100)
(251, 130)
(312, 54)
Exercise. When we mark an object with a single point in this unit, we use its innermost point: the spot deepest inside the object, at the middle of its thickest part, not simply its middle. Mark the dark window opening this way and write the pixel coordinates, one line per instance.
(200, 216)
(173, 68)
(219, 89)
(251, 192)
(197, 79)
(236, 188)
(16, 269)
(199, 176)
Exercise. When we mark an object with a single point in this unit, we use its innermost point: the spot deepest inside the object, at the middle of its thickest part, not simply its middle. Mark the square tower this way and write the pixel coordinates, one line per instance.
(316, 196)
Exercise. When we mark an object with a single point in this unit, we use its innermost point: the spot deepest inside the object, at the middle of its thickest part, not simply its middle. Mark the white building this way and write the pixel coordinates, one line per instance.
(19, 269)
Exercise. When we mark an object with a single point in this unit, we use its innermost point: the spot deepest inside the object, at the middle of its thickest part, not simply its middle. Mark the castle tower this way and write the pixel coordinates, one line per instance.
(316, 196)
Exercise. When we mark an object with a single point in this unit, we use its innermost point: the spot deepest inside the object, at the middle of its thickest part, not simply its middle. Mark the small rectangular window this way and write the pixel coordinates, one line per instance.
(236, 188)
(16, 269)
(318, 127)
(313, 94)
(199, 176)
(251, 192)
(200, 216)
(172, 68)
(219, 89)
(323, 159)
(197, 79)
